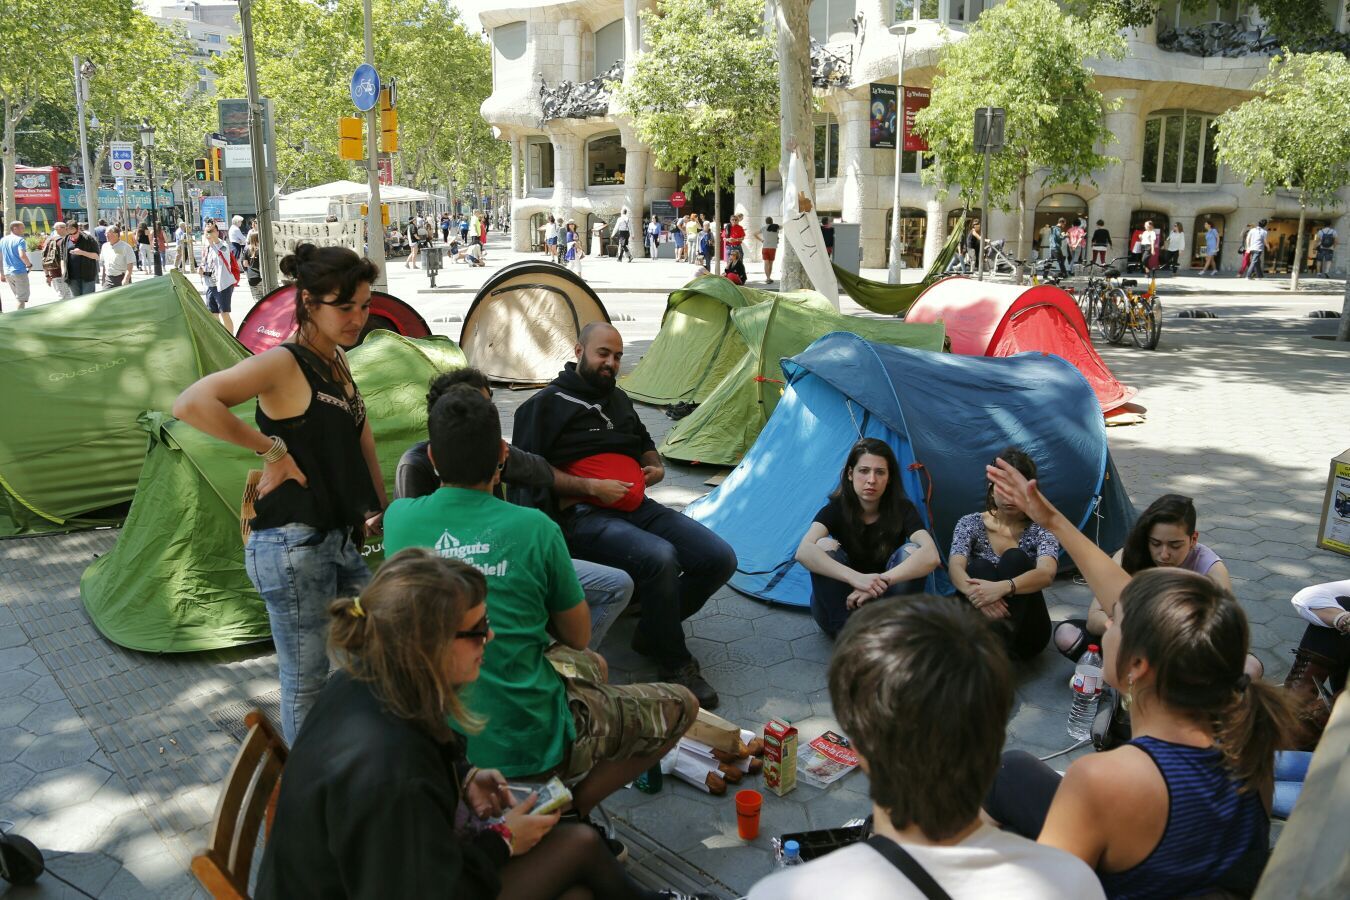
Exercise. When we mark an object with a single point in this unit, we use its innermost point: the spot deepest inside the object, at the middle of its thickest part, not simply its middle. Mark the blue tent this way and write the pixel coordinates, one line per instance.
(945, 416)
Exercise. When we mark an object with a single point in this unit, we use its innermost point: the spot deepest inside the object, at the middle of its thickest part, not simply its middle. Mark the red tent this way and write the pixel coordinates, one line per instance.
(985, 318)
(272, 320)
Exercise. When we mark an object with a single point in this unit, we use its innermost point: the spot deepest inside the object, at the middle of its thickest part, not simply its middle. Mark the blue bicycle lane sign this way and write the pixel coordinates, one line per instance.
(365, 87)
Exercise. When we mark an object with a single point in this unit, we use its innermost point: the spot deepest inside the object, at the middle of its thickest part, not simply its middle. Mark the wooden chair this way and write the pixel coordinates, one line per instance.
(247, 803)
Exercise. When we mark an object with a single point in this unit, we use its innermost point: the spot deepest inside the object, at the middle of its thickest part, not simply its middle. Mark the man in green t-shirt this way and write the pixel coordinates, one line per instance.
(547, 711)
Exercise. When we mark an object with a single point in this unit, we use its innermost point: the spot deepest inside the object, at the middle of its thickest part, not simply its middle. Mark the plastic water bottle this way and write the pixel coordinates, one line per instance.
(1087, 688)
(792, 855)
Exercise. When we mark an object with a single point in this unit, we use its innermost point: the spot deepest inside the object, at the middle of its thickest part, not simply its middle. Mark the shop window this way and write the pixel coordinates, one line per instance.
(954, 216)
(912, 162)
(913, 10)
(608, 46)
(913, 231)
(965, 11)
(1179, 148)
(605, 158)
(827, 147)
(539, 161)
(1051, 209)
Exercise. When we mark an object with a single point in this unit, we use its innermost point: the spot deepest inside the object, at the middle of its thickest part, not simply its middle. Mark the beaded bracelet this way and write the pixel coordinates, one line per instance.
(275, 452)
(504, 832)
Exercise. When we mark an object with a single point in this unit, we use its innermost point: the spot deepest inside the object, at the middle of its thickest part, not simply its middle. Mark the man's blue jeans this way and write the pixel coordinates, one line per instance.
(299, 571)
(607, 594)
(675, 562)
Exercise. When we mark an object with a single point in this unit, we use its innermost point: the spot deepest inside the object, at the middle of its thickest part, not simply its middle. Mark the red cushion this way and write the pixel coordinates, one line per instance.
(618, 466)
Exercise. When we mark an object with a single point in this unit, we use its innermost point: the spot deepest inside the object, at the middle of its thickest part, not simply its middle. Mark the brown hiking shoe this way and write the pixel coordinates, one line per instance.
(1308, 672)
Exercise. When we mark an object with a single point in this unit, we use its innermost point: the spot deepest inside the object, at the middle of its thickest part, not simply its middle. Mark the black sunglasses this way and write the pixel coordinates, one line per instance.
(479, 633)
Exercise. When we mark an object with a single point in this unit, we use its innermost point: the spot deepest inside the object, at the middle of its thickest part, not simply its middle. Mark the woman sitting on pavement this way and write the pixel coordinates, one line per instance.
(867, 542)
(1184, 806)
(1002, 561)
(735, 267)
(378, 799)
(1164, 535)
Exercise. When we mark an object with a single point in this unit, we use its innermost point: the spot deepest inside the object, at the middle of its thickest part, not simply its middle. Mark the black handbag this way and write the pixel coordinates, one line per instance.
(1111, 724)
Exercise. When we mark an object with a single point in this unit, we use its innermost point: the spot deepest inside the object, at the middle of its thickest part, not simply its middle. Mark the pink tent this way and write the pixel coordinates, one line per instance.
(985, 318)
(272, 320)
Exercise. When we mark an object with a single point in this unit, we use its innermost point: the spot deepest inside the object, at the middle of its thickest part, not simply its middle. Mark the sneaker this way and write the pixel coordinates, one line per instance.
(687, 675)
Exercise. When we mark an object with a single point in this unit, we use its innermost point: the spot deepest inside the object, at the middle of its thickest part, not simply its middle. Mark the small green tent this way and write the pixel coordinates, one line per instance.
(77, 375)
(894, 299)
(175, 581)
(727, 423)
(697, 345)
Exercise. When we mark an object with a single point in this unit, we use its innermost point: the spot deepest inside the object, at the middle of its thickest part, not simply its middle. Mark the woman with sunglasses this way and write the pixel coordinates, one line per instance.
(378, 799)
(1001, 561)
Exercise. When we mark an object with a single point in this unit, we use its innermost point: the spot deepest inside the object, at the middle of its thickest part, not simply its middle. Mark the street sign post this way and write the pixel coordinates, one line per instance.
(122, 157)
(365, 87)
(989, 122)
(677, 199)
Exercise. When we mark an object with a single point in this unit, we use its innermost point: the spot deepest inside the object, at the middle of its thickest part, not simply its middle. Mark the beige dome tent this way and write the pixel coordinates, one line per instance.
(524, 322)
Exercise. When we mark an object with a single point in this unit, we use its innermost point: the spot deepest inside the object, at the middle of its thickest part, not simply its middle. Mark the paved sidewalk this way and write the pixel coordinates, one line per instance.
(111, 761)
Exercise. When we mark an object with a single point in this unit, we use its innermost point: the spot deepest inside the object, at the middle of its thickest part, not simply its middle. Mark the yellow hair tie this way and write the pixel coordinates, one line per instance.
(356, 610)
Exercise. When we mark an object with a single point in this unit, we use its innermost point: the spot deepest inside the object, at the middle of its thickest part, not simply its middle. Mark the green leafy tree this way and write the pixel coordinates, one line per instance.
(1294, 135)
(1029, 58)
(37, 41)
(724, 116)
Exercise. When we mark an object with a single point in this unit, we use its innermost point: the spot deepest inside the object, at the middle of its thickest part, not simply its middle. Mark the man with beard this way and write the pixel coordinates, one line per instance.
(585, 426)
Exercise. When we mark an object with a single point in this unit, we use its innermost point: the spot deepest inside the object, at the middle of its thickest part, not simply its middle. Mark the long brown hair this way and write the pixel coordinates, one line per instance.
(1169, 509)
(1195, 636)
(395, 636)
(320, 271)
(885, 535)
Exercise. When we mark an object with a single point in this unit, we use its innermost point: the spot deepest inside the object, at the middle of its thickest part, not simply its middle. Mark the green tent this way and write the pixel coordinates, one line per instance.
(727, 423)
(77, 375)
(697, 345)
(175, 581)
(895, 299)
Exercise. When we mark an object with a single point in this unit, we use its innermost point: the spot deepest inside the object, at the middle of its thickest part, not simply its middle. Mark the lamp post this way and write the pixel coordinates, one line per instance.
(148, 142)
(435, 198)
(903, 30)
(83, 72)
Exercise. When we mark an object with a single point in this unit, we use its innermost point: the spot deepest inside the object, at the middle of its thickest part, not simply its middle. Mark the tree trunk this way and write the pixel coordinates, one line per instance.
(11, 160)
(1343, 333)
(1298, 246)
(796, 106)
(717, 220)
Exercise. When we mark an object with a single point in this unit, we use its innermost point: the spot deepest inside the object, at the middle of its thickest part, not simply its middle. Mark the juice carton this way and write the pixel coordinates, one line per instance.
(780, 756)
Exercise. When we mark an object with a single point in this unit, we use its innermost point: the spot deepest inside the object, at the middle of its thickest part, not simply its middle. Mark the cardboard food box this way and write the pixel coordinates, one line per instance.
(780, 756)
(1334, 531)
(715, 731)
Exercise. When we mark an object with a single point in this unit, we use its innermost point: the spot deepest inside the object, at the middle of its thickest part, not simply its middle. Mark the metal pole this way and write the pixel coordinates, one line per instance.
(262, 203)
(90, 178)
(984, 189)
(154, 214)
(374, 221)
(893, 270)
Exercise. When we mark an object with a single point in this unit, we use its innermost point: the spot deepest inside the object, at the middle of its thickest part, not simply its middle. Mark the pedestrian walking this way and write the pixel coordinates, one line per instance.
(142, 248)
(551, 239)
(253, 266)
(1077, 241)
(220, 273)
(1176, 244)
(1211, 250)
(623, 232)
(1256, 250)
(1325, 242)
(768, 237)
(17, 265)
(237, 237)
(678, 237)
(1149, 250)
(1059, 245)
(117, 259)
(54, 260)
(653, 237)
(82, 260)
(321, 490)
(1101, 243)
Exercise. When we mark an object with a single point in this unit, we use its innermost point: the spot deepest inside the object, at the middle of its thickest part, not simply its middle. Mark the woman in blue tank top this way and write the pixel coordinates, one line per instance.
(321, 490)
(1183, 808)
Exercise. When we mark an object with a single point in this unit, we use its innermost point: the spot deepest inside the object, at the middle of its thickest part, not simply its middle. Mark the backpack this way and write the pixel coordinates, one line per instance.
(1328, 239)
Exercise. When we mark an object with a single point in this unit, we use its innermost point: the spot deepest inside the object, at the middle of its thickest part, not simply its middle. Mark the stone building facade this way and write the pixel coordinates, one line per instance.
(574, 156)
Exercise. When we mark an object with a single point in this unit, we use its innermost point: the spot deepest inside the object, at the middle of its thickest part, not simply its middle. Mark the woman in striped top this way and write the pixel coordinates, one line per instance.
(1182, 808)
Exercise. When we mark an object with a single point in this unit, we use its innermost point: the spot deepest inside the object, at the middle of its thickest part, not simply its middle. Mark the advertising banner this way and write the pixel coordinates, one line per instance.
(108, 198)
(215, 208)
(883, 115)
(915, 100)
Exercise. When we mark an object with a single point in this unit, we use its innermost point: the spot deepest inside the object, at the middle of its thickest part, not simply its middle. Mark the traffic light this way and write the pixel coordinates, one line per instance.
(215, 169)
(350, 143)
(200, 165)
(388, 122)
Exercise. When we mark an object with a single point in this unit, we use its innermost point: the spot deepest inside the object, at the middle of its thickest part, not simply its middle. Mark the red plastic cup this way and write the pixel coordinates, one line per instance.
(748, 803)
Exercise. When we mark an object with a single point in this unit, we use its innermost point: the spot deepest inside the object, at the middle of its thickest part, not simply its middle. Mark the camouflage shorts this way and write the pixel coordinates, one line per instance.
(615, 721)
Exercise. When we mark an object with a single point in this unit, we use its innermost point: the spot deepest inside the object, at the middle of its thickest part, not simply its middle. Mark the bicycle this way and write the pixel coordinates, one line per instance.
(1139, 314)
(1093, 295)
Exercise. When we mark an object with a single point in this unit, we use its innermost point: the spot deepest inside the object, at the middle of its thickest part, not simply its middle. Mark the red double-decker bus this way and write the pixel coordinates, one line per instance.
(37, 193)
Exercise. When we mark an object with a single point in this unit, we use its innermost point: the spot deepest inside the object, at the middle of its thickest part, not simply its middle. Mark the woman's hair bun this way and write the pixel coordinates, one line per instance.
(291, 262)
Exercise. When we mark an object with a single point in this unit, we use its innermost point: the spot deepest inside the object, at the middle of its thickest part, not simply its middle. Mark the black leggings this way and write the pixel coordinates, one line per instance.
(1333, 645)
(1022, 793)
(1026, 630)
(571, 862)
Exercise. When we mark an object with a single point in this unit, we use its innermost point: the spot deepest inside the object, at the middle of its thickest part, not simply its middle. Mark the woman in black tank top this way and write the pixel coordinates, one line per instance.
(321, 490)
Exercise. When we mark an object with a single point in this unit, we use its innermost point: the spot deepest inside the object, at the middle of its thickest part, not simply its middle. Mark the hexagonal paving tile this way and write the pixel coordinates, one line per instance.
(722, 628)
(815, 647)
(56, 715)
(13, 741)
(16, 657)
(13, 777)
(56, 751)
(44, 690)
(765, 650)
(14, 710)
(77, 829)
(15, 682)
(786, 624)
(773, 702)
(67, 786)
